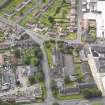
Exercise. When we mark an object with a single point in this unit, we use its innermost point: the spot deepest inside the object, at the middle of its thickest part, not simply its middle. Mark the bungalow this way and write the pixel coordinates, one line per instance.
(1, 59)
(27, 1)
(20, 7)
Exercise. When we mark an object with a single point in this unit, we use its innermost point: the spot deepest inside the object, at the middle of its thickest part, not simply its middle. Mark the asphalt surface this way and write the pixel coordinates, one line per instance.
(79, 9)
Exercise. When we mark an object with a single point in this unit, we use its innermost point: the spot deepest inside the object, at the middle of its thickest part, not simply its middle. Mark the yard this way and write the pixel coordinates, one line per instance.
(71, 97)
(59, 12)
(97, 103)
(2, 38)
(11, 6)
(30, 8)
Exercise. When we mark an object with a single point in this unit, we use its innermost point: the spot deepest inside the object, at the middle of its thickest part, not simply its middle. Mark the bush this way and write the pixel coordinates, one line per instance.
(67, 79)
(32, 80)
(40, 77)
(27, 61)
(50, 19)
(91, 93)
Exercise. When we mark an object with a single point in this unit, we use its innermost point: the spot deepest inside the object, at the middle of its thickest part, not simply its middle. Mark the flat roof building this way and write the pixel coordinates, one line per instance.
(96, 60)
(96, 11)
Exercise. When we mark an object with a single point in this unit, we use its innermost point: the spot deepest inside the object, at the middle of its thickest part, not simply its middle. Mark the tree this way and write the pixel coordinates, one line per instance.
(67, 79)
(27, 61)
(40, 55)
(17, 53)
(53, 85)
(39, 77)
(50, 19)
(52, 41)
(36, 62)
(7, 103)
(44, 1)
(58, 10)
(91, 93)
(32, 80)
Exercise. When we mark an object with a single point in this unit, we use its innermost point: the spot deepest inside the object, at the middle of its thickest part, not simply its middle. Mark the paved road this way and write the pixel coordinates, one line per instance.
(50, 98)
(79, 32)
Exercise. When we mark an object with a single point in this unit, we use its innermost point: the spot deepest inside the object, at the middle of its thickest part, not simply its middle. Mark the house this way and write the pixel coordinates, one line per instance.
(1, 59)
(73, 2)
(60, 83)
(69, 91)
(5, 86)
(26, 1)
(20, 7)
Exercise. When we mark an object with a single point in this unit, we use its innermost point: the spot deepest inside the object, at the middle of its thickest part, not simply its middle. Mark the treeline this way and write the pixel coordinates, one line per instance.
(91, 93)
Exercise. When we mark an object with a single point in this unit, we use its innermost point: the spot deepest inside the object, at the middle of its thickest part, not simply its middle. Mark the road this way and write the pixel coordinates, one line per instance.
(79, 32)
(50, 99)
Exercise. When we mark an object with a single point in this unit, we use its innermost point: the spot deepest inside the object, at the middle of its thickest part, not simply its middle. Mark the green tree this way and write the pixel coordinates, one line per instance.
(91, 93)
(39, 77)
(32, 80)
(17, 53)
(44, 1)
(50, 19)
(27, 61)
(67, 79)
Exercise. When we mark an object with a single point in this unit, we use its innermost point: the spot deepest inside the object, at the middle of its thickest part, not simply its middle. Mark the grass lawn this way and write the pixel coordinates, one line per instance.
(2, 38)
(75, 96)
(71, 36)
(78, 72)
(49, 53)
(49, 56)
(44, 94)
(97, 103)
